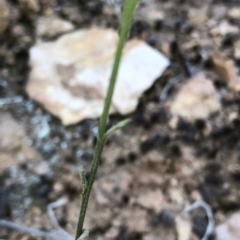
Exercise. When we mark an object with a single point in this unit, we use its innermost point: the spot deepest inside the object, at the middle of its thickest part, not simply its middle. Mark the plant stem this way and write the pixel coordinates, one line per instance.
(128, 12)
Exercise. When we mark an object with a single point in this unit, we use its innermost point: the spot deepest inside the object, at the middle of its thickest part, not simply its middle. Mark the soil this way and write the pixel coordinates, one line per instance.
(176, 162)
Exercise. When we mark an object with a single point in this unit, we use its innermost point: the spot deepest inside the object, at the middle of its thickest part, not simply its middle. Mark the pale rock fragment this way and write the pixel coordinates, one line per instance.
(14, 146)
(197, 99)
(233, 116)
(176, 196)
(226, 70)
(70, 76)
(234, 13)
(150, 12)
(112, 233)
(223, 67)
(12, 134)
(219, 11)
(4, 15)
(30, 5)
(195, 196)
(237, 50)
(42, 169)
(135, 219)
(230, 230)
(51, 26)
(150, 199)
(173, 123)
(58, 187)
(114, 3)
(160, 233)
(198, 16)
(184, 228)
(224, 28)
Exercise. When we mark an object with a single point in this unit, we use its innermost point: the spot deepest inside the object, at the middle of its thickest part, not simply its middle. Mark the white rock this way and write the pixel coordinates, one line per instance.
(51, 26)
(70, 76)
(230, 230)
(197, 99)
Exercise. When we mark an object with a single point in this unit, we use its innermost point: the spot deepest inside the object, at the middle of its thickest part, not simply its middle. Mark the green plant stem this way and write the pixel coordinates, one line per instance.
(128, 12)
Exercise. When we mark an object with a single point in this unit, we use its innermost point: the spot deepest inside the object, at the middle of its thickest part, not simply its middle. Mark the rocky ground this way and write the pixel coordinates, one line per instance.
(175, 152)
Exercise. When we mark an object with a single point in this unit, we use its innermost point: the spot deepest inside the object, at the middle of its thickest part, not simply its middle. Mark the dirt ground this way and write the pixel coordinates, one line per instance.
(152, 168)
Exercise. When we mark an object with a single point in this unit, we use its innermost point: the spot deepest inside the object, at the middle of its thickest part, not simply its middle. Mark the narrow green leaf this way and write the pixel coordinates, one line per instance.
(117, 126)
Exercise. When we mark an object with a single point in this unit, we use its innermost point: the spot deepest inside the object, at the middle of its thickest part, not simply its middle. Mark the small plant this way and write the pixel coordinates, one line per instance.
(128, 12)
